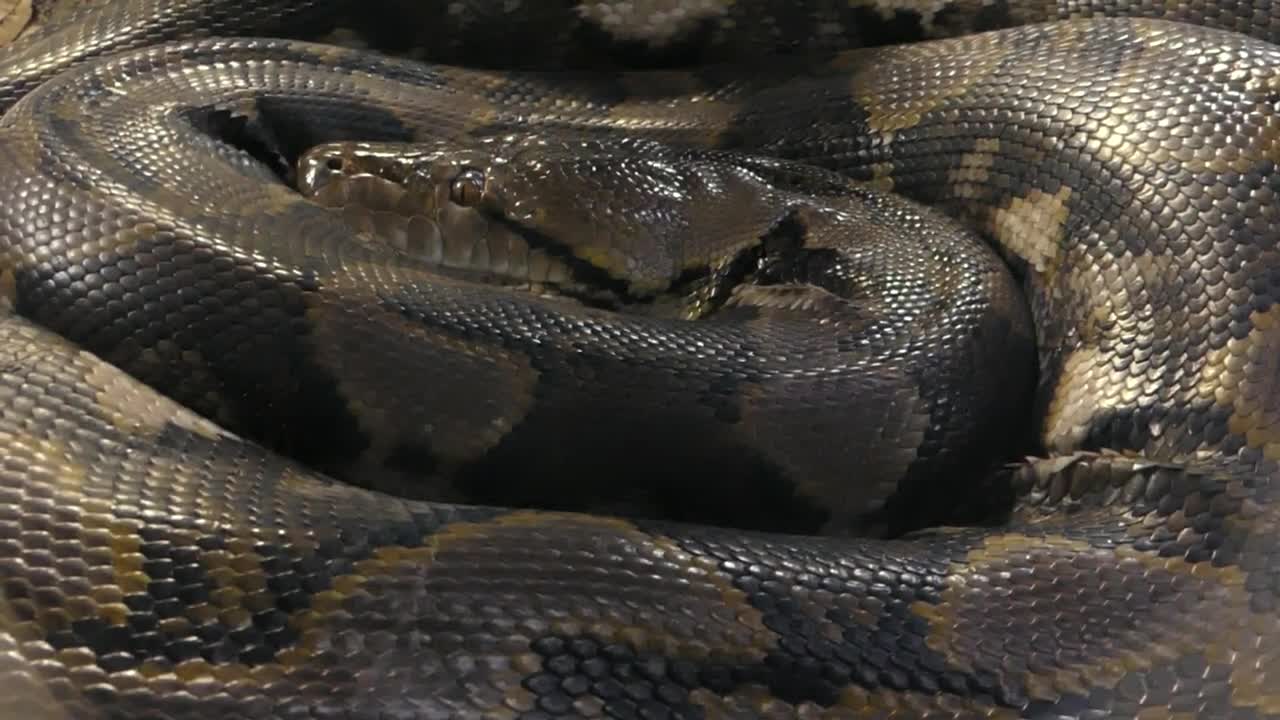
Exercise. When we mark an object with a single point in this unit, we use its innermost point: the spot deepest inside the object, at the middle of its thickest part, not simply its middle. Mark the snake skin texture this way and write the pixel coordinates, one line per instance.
(161, 556)
(591, 34)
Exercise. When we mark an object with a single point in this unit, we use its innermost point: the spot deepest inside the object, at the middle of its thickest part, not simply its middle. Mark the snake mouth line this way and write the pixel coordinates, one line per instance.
(440, 234)
(485, 247)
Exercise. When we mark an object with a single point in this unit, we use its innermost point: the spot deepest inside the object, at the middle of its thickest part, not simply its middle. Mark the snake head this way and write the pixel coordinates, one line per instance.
(636, 216)
(435, 201)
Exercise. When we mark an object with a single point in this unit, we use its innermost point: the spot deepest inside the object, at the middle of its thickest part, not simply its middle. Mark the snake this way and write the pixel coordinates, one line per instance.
(726, 359)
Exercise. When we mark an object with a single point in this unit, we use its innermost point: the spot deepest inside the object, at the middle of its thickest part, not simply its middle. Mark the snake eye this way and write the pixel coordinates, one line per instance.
(467, 188)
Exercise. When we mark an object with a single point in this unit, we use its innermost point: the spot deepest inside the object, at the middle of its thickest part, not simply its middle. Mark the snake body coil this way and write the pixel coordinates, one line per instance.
(156, 564)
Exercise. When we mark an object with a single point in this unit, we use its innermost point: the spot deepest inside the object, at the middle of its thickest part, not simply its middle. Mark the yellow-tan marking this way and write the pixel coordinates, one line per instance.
(1238, 376)
(854, 703)
(49, 456)
(25, 689)
(731, 627)
(969, 180)
(710, 112)
(972, 584)
(899, 101)
(1033, 227)
(1119, 138)
(1090, 383)
(1255, 666)
(881, 176)
(239, 591)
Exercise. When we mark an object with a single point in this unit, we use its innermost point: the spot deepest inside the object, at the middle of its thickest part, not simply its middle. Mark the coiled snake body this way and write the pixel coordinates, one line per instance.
(154, 564)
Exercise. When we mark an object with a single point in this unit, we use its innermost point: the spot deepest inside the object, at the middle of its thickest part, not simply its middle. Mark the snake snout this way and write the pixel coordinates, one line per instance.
(317, 170)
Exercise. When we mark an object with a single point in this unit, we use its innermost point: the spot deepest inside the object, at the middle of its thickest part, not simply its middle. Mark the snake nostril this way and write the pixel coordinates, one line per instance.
(334, 163)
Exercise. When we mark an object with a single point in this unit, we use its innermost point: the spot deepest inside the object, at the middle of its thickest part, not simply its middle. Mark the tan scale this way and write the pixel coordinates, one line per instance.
(969, 180)
(747, 639)
(1033, 227)
(855, 703)
(1220, 592)
(52, 455)
(1089, 384)
(881, 177)
(19, 687)
(888, 111)
(1235, 375)
(1203, 590)
(714, 113)
(1255, 676)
